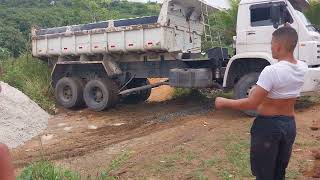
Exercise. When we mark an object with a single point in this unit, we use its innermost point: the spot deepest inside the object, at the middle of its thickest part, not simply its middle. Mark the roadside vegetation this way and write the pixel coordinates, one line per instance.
(31, 76)
(45, 170)
(18, 17)
(313, 13)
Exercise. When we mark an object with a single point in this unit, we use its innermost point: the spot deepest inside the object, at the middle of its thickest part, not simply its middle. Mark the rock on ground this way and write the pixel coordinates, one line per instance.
(20, 117)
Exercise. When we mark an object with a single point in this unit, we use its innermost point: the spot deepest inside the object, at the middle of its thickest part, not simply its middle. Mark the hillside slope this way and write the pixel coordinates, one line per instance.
(18, 16)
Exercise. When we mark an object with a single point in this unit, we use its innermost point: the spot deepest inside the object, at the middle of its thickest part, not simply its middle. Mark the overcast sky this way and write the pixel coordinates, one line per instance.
(220, 3)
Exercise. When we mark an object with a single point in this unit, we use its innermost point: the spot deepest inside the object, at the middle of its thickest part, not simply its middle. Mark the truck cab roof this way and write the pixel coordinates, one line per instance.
(297, 4)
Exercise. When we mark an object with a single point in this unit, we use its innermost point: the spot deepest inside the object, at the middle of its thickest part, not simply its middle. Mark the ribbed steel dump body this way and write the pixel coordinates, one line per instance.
(98, 25)
(136, 35)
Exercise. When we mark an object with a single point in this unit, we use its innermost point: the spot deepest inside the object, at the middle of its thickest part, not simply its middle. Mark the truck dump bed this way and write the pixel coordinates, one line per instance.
(98, 25)
(177, 29)
(120, 36)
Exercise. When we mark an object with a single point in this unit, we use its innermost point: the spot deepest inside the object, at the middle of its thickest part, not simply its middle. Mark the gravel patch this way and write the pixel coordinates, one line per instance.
(20, 117)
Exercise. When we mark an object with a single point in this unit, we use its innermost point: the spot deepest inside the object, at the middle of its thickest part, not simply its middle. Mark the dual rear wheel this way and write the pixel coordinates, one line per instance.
(100, 94)
(97, 94)
(69, 92)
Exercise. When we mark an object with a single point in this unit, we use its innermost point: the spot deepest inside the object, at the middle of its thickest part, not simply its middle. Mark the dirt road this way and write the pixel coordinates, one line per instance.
(162, 139)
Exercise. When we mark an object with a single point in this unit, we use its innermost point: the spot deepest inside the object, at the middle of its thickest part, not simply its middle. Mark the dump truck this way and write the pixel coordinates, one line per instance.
(100, 64)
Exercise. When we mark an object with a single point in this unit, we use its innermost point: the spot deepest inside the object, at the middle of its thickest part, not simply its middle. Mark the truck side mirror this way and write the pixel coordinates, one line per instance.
(275, 14)
(286, 16)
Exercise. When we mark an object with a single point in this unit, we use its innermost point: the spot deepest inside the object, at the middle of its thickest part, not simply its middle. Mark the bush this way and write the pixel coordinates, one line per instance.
(4, 53)
(182, 93)
(31, 76)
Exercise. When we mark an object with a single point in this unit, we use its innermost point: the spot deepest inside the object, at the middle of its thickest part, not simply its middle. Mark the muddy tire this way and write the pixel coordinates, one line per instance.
(140, 96)
(100, 94)
(69, 92)
(243, 87)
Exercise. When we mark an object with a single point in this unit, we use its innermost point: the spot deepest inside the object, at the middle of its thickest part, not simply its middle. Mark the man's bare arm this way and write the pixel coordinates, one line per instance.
(251, 103)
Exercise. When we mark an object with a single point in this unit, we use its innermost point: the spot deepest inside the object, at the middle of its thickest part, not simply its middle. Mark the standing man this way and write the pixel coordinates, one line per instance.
(6, 167)
(274, 130)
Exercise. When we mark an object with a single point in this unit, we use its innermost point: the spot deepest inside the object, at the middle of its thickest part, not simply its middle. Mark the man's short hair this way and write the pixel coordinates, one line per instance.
(287, 36)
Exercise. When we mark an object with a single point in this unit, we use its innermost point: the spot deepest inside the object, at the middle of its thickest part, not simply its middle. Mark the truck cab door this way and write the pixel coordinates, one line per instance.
(262, 25)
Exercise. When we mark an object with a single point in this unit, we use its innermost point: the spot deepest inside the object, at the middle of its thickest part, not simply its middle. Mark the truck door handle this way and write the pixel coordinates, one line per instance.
(251, 33)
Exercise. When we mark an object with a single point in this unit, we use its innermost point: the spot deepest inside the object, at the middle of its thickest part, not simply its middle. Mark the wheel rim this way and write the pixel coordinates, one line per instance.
(249, 90)
(250, 112)
(67, 93)
(96, 95)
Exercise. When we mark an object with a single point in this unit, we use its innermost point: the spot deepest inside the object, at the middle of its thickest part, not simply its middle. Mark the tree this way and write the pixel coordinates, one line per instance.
(12, 39)
(223, 26)
(313, 12)
(19, 16)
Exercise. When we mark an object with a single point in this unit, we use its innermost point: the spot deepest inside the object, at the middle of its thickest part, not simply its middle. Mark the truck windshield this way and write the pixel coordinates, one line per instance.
(306, 21)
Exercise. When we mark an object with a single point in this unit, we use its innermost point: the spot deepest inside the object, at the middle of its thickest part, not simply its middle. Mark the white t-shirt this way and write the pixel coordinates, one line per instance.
(283, 80)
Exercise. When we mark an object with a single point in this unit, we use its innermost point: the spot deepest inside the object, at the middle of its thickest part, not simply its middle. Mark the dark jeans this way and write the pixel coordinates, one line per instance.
(272, 138)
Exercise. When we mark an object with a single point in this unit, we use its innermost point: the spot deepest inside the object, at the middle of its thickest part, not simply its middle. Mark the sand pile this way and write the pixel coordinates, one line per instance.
(20, 117)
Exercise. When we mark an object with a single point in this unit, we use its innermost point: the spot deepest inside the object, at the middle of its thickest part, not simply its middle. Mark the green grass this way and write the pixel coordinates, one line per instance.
(190, 156)
(201, 176)
(302, 142)
(238, 156)
(45, 170)
(207, 166)
(293, 174)
(167, 163)
(209, 163)
(32, 77)
(170, 162)
(234, 163)
(114, 165)
(226, 175)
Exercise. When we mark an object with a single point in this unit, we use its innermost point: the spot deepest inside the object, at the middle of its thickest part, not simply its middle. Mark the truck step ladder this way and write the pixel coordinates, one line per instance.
(206, 23)
(214, 40)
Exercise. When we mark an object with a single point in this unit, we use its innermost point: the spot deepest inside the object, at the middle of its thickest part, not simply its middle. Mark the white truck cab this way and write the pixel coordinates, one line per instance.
(257, 20)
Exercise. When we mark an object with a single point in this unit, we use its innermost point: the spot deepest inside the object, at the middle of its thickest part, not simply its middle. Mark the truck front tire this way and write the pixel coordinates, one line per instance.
(69, 92)
(100, 94)
(243, 87)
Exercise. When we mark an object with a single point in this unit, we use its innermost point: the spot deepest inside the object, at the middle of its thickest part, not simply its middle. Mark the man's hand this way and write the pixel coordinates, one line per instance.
(256, 97)
(219, 103)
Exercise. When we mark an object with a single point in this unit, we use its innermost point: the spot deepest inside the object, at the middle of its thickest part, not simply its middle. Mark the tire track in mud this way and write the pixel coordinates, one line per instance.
(159, 116)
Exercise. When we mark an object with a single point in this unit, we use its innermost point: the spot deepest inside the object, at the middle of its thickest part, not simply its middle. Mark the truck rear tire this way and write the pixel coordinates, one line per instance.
(140, 96)
(100, 94)
(243, 87)
(69, 92)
